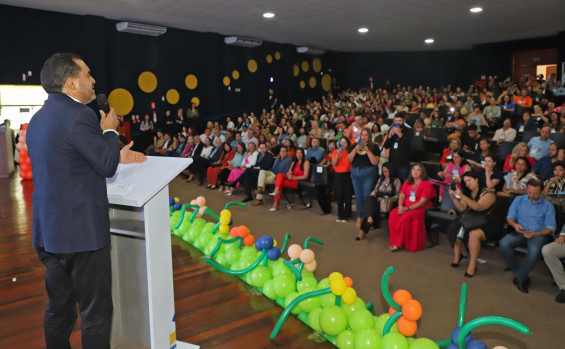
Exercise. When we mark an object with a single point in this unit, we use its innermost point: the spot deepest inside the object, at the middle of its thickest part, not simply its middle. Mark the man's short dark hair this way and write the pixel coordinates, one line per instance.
(401, 114)
(57, 69)
(534, 182)
(472, 127)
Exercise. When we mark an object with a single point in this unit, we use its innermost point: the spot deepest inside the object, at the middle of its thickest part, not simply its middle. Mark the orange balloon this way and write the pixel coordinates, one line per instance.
(391, 311)
(234, 232)
(348, 281)
(412, 310)
(23, 152)
(243, 231)
(24, 126)
(406, 327)
(249, 240)
(402, 297)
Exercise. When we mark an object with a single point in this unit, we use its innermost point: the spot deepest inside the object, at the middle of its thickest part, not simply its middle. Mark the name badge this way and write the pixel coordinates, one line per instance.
(521, 129)
(395, 145)
(412, 197)
(455, 173)
(535, 150)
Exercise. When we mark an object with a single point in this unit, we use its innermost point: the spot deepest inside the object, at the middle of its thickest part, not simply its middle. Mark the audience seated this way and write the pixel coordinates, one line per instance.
(556, 184)
(477, 158)
(515, 181)
(249, 177)
(454, 145)
(520, 150)
(343, 186)
(248, 162)
(544, 167)
(299, 170)
(215, 168)
(240, 154)
(539, 146)
(455, 125)
(455, 169)
(406, 222)
(506, 133)
(264, 177)
(488, 176)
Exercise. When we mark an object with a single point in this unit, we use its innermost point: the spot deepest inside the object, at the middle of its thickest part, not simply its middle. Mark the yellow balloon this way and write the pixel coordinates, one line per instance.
(338, 287)
(177, 199)
(224, 220)
(225, 213)
(275, 243)
(349, 296)
(224, 228)
(335, 276)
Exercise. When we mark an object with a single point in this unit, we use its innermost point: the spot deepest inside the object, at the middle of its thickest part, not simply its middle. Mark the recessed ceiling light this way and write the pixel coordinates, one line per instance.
(476, 9)
(363, 30)
(429, 41)
(268, 15)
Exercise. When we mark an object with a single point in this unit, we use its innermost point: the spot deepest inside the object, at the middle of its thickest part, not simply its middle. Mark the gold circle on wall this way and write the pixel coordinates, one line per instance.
(327, 82)
(302, 84)
(121, 100)
(252, 65)
(305, 66)
(191, 81)
(277, 55)
(235, 74)
(195, 100)
(226, 81)
(147, 81)
(312, 82)
(269, 59)
(172, 96)
(317, 65)
(295, 70)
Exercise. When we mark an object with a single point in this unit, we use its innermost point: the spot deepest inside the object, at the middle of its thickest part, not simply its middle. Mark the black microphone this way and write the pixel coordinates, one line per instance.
(103, 103)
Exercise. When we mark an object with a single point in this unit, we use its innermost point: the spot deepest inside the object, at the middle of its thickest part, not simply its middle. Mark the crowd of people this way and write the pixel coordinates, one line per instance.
(365, 139)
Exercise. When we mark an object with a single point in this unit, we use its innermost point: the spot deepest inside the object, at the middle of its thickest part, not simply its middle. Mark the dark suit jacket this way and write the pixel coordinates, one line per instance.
(266, 162)
(70, 158)
(197, 151)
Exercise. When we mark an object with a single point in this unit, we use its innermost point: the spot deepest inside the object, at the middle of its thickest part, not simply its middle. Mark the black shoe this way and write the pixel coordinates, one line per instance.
(247, 199)
(455, 265)
(521, 285)
(560, 297)
(467, 275)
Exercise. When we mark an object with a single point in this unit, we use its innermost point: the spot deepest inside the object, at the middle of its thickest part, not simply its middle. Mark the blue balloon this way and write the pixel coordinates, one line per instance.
(274, 253)
(476, 344)
(177, 206)
(455, 333)
(452, 346)
(171, 201)
(231, 222)
(268, 242)
(259, 243)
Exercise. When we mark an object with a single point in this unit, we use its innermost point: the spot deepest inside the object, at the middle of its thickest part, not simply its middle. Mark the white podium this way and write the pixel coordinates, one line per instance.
(142, 269)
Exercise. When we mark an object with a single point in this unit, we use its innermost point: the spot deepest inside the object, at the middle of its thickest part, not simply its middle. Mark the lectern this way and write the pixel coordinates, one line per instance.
(142, 269)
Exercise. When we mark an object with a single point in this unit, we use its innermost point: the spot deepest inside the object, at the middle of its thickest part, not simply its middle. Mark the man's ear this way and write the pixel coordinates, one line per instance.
(69, 84)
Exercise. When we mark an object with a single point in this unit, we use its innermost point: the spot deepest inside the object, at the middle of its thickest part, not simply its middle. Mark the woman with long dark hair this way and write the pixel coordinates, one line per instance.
(299, 170)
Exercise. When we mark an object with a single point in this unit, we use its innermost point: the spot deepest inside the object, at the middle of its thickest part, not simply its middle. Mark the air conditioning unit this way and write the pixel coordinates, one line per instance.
(310, 50)
(139, 28)
(245, 42)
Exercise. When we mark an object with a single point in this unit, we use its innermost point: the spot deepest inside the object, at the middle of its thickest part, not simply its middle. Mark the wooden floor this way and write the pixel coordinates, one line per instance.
(213, 310)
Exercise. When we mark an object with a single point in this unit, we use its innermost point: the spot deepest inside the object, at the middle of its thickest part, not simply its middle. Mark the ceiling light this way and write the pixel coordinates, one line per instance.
(268, 15)
(363, 30)
(429, 41)
(476, 9)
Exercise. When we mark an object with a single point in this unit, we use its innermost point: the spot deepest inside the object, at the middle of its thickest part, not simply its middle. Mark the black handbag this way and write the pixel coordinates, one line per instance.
(472, 222)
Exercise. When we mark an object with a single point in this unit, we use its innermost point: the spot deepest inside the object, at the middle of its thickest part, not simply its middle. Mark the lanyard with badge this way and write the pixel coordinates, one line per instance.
(412, 196)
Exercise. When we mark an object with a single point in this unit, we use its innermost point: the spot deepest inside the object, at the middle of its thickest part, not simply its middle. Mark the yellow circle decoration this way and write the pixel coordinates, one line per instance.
(195, 100)
(226, 81)
(235, 74)
(191, 81)
(121, 100)
(327, 82)
(295, 70)
(302, 84)
(172, 96)
(269, 59)
(252, 65)
(277, 55)
(317, 65)
(312, 82)
(305, 66)
(147, 81)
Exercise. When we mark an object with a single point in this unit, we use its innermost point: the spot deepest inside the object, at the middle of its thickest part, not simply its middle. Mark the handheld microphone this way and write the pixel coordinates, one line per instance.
(103, 103)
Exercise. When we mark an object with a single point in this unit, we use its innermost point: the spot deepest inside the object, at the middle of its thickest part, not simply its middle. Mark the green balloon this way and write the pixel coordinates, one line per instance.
(394, 340)
(221, 259)
(246, 261)
(368, 338)
(175, 217)
(208, 227)
(324, 283)
(249, 251)
(311, 303)
(269, 290)
(193, 234)
(345, 340)
(306, 282)
(284, 285)
(380, 324)
(260, 275)
(333, 320)
(423, 343)
(247, 278)
(361, 319)
(185, 225)
(292, 296)
(350, 308)
(327, 300)
(232, 255)
(314, 319)
(410, 340)
(202, 241)
(275, 264)
(281, 269)
(200, 222)
(308, 274)
(210, 246)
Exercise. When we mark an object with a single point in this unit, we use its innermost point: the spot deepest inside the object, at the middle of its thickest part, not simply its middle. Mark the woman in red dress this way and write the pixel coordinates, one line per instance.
(299, 170)
(406, 222)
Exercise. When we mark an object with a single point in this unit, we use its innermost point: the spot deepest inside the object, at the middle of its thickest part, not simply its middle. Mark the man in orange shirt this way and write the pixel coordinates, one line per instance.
(523, 100)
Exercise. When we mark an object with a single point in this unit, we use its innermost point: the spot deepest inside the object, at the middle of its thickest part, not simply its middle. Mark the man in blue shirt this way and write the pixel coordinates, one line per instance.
(539, 146)
(533, 218)
(544, 167)
(281, 165)
(315, 151)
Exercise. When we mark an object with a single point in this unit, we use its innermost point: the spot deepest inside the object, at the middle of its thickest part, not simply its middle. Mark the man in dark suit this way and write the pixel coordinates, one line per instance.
(249, 177)
(71, 154)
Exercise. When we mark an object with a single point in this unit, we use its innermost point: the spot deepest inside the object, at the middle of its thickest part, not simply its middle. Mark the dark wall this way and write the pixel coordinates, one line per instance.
(116, 59)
